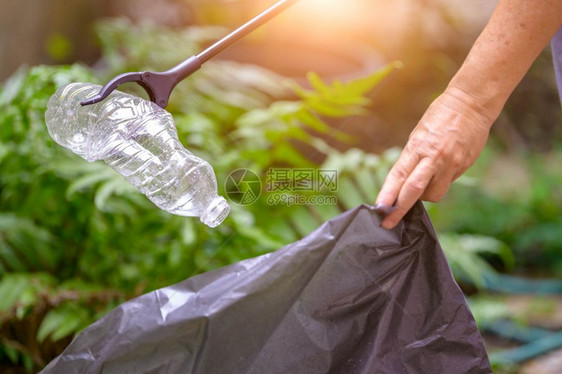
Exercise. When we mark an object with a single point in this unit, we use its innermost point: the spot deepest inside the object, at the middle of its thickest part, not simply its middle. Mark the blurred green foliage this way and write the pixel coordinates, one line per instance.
(517, 199)
(462, 251)
(76, 239)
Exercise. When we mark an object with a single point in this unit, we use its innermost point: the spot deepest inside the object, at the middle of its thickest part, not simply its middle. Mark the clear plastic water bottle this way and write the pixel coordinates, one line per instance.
(138, 139)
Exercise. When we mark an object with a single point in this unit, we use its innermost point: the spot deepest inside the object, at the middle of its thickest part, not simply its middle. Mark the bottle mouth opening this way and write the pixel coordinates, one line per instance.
(216, 212)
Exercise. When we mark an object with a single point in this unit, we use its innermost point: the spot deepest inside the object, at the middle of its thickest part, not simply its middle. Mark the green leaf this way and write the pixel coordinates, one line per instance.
(11, 288)
(9, 256)
(61, 322)
(284, 152)
(278, 226)
(22, 288)
(348, 194)
(89, 180)
(13, 85)
(341, 99)
(362, 86)
(487, 309)
(260, 237)
(11, 353)
(463, 253)
(312, 121)
(302, 220)
(115, 186)
(366, 182)
(317, 83)
(326, 212)
(25, 245)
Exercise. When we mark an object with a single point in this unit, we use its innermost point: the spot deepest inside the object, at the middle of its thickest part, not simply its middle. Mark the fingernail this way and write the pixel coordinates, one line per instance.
(384, 210)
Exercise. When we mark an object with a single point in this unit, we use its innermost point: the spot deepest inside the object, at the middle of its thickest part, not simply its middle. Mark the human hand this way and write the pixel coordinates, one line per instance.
(445, 143)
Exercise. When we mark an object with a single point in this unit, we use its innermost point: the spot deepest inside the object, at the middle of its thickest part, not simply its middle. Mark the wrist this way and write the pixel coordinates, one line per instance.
(484, 108)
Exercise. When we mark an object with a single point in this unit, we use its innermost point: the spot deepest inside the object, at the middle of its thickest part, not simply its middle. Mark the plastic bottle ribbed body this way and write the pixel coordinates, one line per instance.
(137, 139)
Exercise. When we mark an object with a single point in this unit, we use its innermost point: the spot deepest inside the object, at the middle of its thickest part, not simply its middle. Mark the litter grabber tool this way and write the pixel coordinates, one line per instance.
(159, 85)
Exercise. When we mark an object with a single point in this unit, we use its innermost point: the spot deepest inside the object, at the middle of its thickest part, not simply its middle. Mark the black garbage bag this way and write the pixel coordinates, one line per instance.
(349, 298)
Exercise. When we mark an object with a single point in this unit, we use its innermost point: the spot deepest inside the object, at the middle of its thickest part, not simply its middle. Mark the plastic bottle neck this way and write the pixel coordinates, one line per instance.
(215, 212)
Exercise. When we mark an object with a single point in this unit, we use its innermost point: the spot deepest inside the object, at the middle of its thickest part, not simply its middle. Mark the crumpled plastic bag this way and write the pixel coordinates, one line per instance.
(349, 298)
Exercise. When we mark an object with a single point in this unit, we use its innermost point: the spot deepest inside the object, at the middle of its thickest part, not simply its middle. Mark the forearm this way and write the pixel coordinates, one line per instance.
(454, 129)
(515, 35)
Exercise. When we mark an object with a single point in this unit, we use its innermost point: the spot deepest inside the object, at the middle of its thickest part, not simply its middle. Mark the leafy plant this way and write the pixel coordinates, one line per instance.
(464, 255)
(76, 239)
(487, 308)
(521, 208)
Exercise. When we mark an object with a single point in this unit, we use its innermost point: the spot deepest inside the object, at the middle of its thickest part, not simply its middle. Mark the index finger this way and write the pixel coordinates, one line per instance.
(396, 177)
(410, 192)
